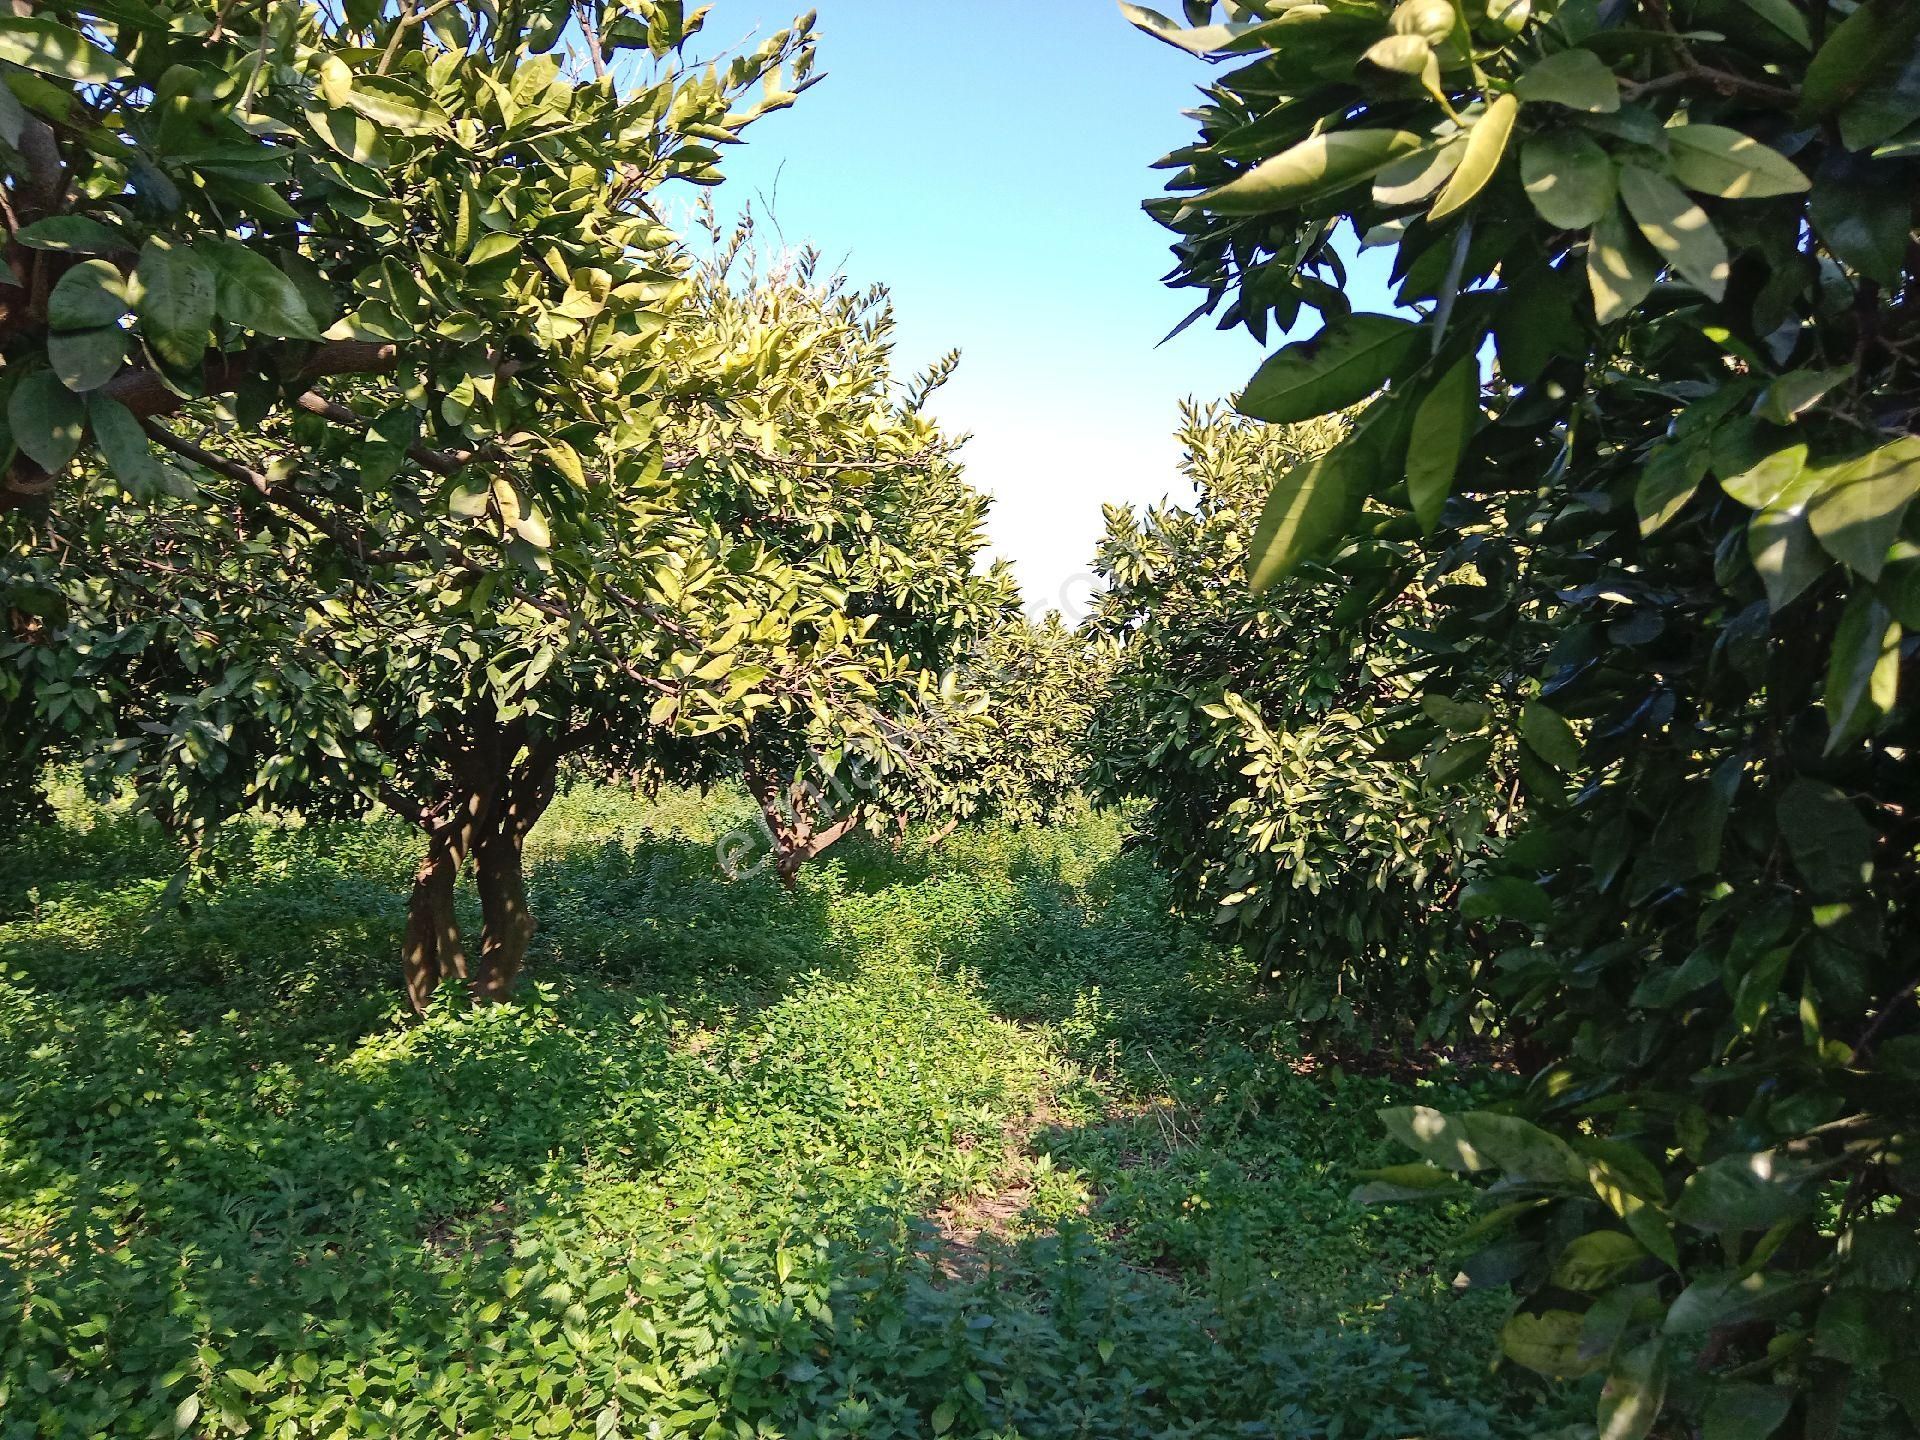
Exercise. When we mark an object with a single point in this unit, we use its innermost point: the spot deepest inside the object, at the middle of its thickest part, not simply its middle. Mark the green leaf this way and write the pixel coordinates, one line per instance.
(185, 1413)
(1446, 418)
(1523, 1151)
(1486, 145)
(1785, 20)
(1548, 1343)
(1743, 1192)
(1797, 392)
(1594, 1261)
(1620, 268)
(1412, 179)
(1731, 164)
(124, 446)
(1551, 737)
(1441, 1139)
(1861, 218)
(1855, 52)
(1863, 673)
(73, 234)
(92, 293)
(1456, 762)
(1781, 542)
(1677, 228)
(1731, 1299)
(86, 359)
(1668, 480)
(1310, 506)
(350, 133)
(1203, 40)
(1737, 1411)
(1568, 177)
(1317, 167)
(48, 420)
(1577, 79)
(255, 294)
(1506, 897)
(392, 103)
(1857, 509)
(1635, 1389)
(53, 49)
(176, 305)
(1348, 360)
(1831, 844)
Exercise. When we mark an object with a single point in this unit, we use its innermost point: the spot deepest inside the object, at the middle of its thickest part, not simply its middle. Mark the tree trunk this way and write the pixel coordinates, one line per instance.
(506, 921)
(432, 950)
(432, 937)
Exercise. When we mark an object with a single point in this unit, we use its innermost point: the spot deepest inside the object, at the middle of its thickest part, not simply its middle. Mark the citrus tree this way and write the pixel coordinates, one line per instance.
(820, 457)
(377, 301)
(1682, 236)
(1040, 680)
(1266, 737)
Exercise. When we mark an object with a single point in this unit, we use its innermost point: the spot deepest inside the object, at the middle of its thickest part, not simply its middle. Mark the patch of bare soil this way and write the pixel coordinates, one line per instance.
(968, 1226)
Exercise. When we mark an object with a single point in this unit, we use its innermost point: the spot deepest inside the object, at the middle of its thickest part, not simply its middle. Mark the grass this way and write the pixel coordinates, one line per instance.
(976, 1142)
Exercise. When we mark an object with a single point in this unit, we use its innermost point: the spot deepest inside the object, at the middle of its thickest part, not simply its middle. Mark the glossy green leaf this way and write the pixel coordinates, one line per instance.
(176, 305)
(254, 293)
(1863, 673)
(54, 49)
(1858, 507)
(1621, 268)
(1635, 1390)
(1745, 1412)
(48, 420)
(73, 234)
(1731, 164)
(87, 359)
(1348, 360)
(1551, 737)
(1855, 52)
(124, 446)
(89, 294)
(1670, 477)
(1798, 391)
(389, 102)
(1443, 423)
(1577, 79)
(1677, 228)
(1548, 1342)
(1412, 179)
(1568, 178)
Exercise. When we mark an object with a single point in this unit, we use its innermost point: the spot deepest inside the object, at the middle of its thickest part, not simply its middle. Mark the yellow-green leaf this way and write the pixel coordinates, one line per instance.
(1486, 144)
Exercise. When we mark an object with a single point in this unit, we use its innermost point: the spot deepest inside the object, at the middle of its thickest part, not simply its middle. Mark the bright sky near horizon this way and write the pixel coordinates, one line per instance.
(986, 160)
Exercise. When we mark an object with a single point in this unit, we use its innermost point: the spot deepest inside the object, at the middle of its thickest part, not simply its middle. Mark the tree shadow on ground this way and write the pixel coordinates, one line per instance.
(236, 1180)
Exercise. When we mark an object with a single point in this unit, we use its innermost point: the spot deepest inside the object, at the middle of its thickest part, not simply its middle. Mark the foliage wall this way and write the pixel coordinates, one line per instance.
(1263, 736)
(1683, 237)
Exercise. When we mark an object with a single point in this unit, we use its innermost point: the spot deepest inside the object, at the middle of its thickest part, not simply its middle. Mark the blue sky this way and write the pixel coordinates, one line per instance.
(986, 159)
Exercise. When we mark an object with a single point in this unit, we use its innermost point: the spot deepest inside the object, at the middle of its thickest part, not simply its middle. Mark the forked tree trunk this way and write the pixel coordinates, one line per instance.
(506, 921)
(794, 815)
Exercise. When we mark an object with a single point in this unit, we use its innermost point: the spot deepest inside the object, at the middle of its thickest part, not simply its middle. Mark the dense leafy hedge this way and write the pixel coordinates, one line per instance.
(1255, 731)
(1687, 234)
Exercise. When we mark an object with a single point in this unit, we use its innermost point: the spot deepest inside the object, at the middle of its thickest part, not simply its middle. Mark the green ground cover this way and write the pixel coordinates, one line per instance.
(975, 1141)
